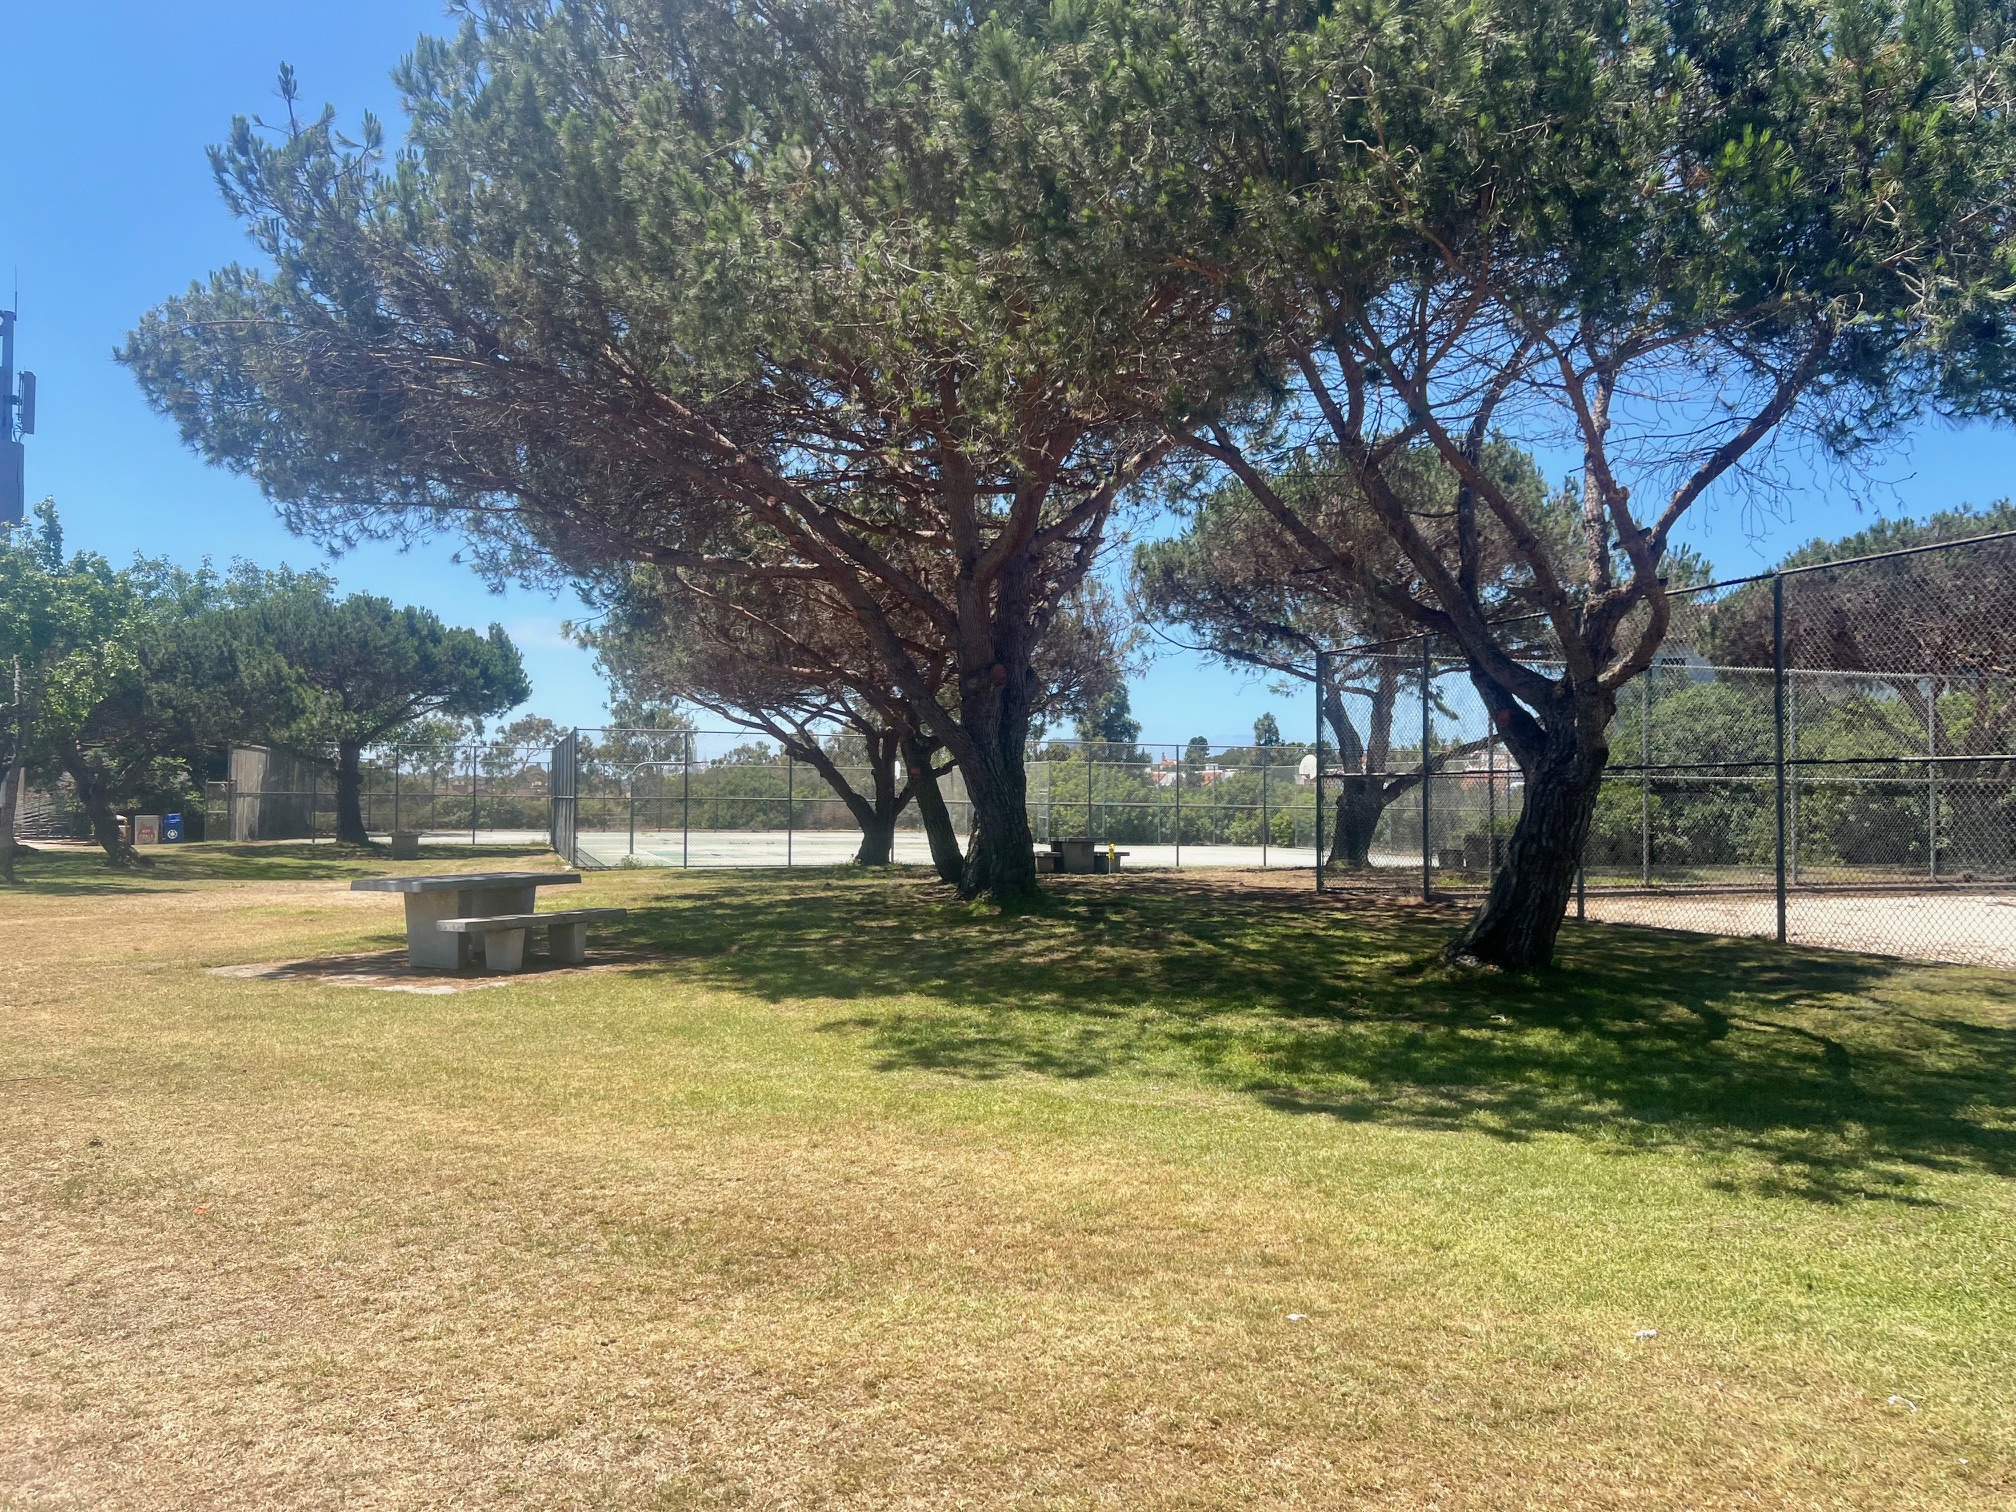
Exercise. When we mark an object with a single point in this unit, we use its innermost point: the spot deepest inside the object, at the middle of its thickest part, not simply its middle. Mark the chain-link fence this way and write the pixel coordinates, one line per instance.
(477, 794)
(727, 798)
(1825, 755)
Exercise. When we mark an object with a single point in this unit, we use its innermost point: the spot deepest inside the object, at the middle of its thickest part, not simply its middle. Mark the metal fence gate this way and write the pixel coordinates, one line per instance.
(563, 775)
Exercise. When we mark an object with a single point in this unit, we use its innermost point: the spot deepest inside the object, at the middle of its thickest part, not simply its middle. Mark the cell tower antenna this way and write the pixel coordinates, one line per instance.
(17, 419)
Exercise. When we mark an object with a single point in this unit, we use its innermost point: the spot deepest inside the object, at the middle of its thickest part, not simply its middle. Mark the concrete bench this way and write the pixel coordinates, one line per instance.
(506, 935)
(458, 895)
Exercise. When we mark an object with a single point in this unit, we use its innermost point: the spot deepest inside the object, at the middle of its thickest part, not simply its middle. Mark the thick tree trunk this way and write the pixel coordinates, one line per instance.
(990, 743)
(97, 804)
(1355, 820)
(1520, 918)
(878, 838)
(948, 857)
(350, 794)
(1002, 864)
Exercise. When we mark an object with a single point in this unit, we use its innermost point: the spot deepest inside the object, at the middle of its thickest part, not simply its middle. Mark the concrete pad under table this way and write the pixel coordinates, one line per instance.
(463, 895)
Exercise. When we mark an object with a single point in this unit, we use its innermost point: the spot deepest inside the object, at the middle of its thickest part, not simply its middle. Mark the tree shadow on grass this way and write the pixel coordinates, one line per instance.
(1849, 1076)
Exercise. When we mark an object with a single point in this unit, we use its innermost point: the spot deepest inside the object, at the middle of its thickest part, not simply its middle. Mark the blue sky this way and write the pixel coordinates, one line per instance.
(106, 205)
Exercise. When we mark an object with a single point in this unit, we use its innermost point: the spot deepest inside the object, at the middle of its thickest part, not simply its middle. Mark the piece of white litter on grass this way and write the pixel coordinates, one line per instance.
(1646, 1333)
(1897, 1401)
(1298, 1317)
(1499, 1018)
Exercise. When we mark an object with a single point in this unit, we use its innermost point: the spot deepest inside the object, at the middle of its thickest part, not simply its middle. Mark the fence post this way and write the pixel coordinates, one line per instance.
(1088, 790)
(1320, 660)
(1792, 777)
(790, 772)
(395, 788)
(1179, 812)
(1645, 777)
(1932, 776)
(1778, 722)
(631, 784)
(472, 795)
(314, 804)
(686, 805)
(1263, 808)
(1427, 733)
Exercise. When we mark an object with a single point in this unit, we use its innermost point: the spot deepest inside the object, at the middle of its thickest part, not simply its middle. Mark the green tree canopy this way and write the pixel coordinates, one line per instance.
(369, 668)
(1659, 234)
(807, 293)
(193, 682)
(1253, 582)
(66, 636)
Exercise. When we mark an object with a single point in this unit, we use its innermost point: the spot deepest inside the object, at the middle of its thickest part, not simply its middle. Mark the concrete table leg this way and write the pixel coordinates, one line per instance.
(430, 947)
(570, 942)
(504, 949)
(482, 902)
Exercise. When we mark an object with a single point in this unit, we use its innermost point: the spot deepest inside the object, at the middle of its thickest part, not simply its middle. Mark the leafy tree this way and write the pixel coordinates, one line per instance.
(193, 682)
(530, 732)
(1667, 233)
(369, 669)
(1266, 731)
(795, 665)
(787, 666)
(1107, 729)
(808, 293)
(66, 630)
(1253, 594)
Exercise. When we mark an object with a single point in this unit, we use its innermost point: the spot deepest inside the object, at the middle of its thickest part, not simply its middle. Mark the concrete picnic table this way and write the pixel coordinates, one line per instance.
(460, 895)
(1082, 857)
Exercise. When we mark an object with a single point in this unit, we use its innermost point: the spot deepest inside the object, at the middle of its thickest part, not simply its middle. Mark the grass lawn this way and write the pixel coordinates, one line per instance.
(1179, 1193)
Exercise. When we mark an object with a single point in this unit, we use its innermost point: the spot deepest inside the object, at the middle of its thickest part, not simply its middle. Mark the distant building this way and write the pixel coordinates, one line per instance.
(1674, 662)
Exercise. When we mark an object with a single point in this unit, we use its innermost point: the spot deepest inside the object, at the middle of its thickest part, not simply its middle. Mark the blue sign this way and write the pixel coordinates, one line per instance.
(171, 827)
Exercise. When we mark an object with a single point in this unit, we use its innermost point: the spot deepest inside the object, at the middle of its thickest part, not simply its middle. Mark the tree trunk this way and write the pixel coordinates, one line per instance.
(350, 794)
(1002, 863)
(997, 694)
(1516, 927)
(10, 801)
(15, 773)
(878, 841)
(97, 803)
(878, 819)
(1356, 819)
(947, 855)
(877, 816)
